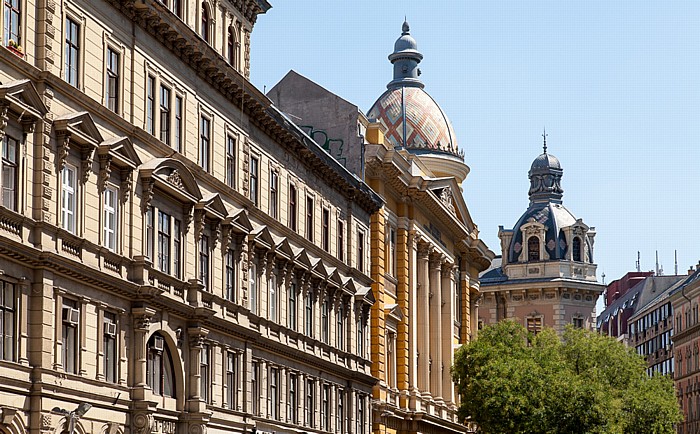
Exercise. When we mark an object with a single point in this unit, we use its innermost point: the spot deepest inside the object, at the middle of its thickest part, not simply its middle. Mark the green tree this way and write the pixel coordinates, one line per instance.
(510, 381)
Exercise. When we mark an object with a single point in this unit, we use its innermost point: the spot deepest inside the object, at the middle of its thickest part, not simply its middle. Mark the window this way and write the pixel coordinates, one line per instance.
(160, 375)
(68, 198)
(169, 243)
(340, 412)
(164, 239)
(69, 333)
(178, 123)
(177, 249)
(149, 232)
(8, 167)
(110, 217)
(274, 394)
(205, 22)
(533, 249)
(340, 328)
(534, 324)
(309, 407)
(112, 80)
(8, 321)
(72, 51)
(392, 251)
(205, 374)
(231, 381)
(272, 296)
(204, 261)
(231, 47)
(326, 408)
(360, 414)
(13, 14)
(341, 241)
(204, 135)
(253, 184)
(150, 104)
(361, 251)
(577, 322)
(325, 321)
(293, 399)
(231, 275)
(255, 387)
(361, 335)
(231, 161)
(253, 289)
(310, 218)
(292, 307)
(576, 249)
(309, 314)
(391, 359)
(110, 346)
(326, 230)
(274, 182)
(292, 208)
(165, 115)
(177, 7)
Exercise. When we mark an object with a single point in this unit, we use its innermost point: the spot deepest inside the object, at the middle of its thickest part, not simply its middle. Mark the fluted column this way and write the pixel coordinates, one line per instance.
(142, 323)
(196, 337)
(435, 327)
(423, 290)
(449, 310)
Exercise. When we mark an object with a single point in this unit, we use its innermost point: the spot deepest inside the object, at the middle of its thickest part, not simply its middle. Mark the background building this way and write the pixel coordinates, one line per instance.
(546, 275)
(174, 251)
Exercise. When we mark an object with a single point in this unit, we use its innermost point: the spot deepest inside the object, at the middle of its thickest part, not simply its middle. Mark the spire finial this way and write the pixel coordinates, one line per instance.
(405, 28)
(544, 137)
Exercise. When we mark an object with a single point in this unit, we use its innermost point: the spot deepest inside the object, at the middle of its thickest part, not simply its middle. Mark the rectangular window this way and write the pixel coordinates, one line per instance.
(149, 232)
(341, 241)
(310, 218)
(253, 184)
(69, 332)
(292, 308)
(326, 408)
(309, 314)
(292, 208)
(204, 139)
(72, 51)
(231, 275)
(361, 335)
(177, 249)
(204, 371)
(110, 216)
(178, 123)
(253, 296)
(274, 394)
(204, 261)
(326, 230)
(255, 387)
(534, 324)
(177, 7)
(68, 198)
(360, 415)
(164, 242)
(8, 321)
(274, 182)
(361, 251)
(325, 321)
(150, 104)
(231, 161)
(293, 399)
(165, 115)
(231, 382)
(309, 407)
(110, 346)
(340, 328)
(577, 322)
(8, 167)
(391, 359)
(112, 80)
(392, 251)
(12, 27)
(272, 296)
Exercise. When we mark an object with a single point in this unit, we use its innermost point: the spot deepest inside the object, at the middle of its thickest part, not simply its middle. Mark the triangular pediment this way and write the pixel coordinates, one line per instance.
(121, 150)
(262, 236)
(364, 295)
(80, 126)
(23, 98)
(285, 249)
(448, 192)
(238, 217)
(214, 206)
(307, 260)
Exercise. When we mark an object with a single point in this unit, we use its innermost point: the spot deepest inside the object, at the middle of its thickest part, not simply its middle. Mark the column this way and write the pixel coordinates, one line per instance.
(195, 403)
(404, 349)
(224, 384)
(435, 327)
(264, 385)
(142, 323)
(423, 348)
(449, 309)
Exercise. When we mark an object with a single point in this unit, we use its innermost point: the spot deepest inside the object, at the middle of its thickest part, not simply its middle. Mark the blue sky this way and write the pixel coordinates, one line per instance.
(616, 84)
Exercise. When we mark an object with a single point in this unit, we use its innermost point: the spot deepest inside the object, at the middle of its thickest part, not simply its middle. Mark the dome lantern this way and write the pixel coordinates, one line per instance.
(545, 178)
(405, 59)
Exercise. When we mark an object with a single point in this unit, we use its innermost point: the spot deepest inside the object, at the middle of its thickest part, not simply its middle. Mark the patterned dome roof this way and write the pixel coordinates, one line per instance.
(427, 128)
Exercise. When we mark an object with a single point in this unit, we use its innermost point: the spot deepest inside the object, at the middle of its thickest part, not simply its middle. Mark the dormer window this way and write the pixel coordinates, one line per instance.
(576, 247)
(533, 249)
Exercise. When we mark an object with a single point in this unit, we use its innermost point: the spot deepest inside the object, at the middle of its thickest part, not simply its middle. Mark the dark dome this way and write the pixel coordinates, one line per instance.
(545, 162)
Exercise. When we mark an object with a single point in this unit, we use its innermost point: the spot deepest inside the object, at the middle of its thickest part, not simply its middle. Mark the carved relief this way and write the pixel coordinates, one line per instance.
(447, 199)
(175, 179)
(143, 423)
(105, 171)
(63, 146)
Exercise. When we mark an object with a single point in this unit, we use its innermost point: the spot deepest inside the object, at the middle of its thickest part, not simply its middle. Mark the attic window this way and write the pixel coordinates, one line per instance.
(533, 249)
(576, 247)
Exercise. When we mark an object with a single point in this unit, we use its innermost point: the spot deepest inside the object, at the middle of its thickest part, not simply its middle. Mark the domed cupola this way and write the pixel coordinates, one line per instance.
(545, 178)
(412, 118)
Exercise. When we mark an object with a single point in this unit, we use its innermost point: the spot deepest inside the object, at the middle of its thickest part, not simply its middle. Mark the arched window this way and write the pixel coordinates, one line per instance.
(177, 7)
(533, 249)
(205, 22)
(576, 246)
(232, 47)
(160, 375)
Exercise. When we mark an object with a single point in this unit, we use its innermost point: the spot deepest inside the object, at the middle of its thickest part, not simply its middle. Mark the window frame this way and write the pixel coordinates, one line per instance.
(274, 194)
(110, 353)
(9, 341)
(15, 12)
(72, 42)
(112, 210)
(6, 165)
(310, 221)
(326, 232)
(361, 250)
(70, 338)
(341, 240)
(232, 380)
(178, 130)
(273, 297)
(230, 274)
(150, 118)
(112, 78)
(69, 199)
(293, 209)
(205, 360)
(204, 268)
(292, 307)
(254, 179)
(164, 110)
(231, 146)
(164, 359)
(205, 135)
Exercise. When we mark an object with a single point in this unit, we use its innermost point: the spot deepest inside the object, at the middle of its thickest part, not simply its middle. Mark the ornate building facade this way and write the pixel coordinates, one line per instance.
(174, 252)
(546, 275)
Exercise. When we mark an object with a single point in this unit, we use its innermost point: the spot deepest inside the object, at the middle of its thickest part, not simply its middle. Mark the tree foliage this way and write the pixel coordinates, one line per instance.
(510, 381)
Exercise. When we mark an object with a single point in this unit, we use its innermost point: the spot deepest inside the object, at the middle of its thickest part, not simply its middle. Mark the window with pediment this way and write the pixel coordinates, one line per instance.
(533, 249)
(576, 249)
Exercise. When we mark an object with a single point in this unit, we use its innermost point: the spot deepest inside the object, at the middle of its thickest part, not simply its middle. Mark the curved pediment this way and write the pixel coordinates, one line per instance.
(172, 176)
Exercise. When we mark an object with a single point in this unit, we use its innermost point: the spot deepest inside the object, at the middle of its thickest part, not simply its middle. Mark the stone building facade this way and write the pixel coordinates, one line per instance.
(545, 275)
(173, 250)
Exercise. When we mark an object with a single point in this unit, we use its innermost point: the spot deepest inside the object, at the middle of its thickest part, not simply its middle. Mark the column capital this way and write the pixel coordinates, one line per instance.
(448, 269)
(424, 248)
(436, 260)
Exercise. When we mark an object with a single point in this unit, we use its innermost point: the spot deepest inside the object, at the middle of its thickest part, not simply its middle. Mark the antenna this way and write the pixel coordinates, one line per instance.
(657, 262)
(675, 268)
(639, 268)
(603, 276)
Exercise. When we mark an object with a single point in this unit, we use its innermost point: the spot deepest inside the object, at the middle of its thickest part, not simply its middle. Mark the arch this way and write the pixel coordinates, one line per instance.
(232, 47)
(533, 248)
(576, 249)
(205, 24)
(161, 373)
(12, 421)
(62, 427)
